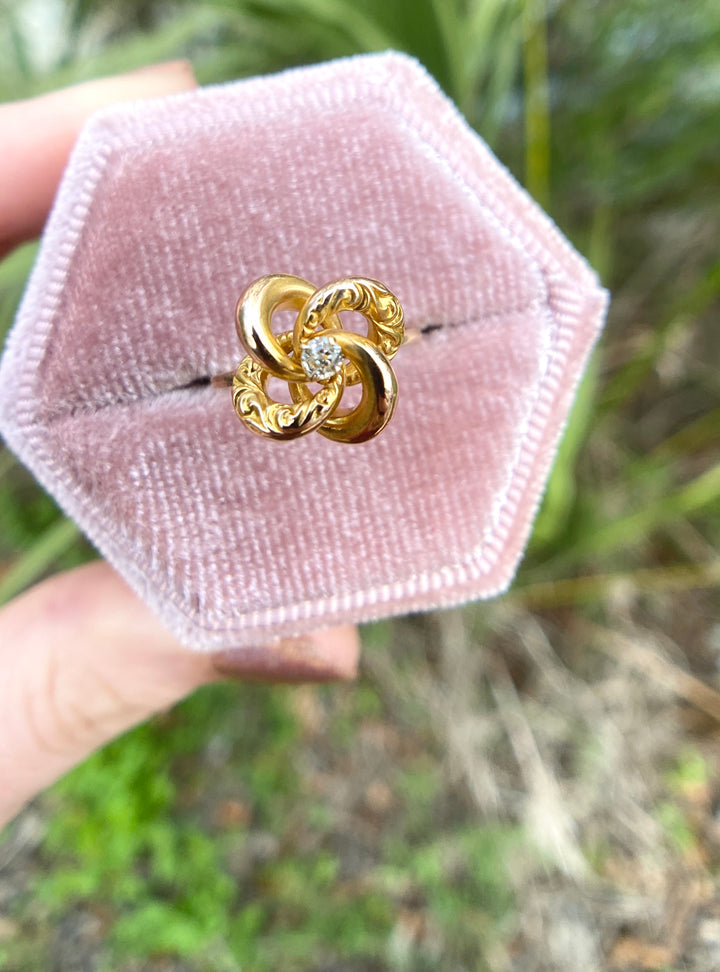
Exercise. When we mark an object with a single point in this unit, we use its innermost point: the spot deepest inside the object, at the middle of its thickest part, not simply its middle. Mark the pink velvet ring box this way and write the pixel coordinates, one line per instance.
(167, 211)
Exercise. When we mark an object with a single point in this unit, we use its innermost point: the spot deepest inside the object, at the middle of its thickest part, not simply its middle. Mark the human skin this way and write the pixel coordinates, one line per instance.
(81, 658)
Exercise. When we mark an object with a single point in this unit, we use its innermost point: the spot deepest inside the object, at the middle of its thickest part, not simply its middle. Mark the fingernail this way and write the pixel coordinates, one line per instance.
(179, 68)
(316, 658)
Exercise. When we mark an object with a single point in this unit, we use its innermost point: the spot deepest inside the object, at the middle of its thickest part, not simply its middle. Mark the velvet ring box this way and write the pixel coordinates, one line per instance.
(167, 210)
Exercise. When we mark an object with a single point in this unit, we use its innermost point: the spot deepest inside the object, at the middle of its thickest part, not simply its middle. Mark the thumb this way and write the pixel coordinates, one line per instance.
(82, 660)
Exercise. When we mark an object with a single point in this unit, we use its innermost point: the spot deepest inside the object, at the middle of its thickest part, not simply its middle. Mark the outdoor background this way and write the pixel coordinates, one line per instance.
(526, 784)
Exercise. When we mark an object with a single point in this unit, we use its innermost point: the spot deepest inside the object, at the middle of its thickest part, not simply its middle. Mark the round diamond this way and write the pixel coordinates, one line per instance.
(321, 358)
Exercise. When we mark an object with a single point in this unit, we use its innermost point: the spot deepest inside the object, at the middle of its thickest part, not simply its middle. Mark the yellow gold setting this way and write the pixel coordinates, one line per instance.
(317, 351)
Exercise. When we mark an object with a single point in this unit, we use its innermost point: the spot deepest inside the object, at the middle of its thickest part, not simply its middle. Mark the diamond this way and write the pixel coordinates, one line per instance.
(321, 358)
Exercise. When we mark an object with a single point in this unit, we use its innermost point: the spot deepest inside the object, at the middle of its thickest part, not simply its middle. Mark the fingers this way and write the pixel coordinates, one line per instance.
(82, 660)
(37, 136)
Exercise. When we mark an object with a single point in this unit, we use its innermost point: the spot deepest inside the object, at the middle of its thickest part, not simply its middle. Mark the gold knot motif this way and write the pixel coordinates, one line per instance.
(317, 350)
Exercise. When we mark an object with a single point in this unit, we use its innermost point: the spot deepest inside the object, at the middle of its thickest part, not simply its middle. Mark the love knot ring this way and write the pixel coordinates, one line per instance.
(317, 351)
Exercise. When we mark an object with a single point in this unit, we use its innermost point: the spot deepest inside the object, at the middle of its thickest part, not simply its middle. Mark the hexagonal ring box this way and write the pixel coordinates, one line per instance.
(167, 211)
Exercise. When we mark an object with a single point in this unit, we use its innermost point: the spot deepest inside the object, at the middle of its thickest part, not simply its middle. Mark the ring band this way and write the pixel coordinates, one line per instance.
(317, 351)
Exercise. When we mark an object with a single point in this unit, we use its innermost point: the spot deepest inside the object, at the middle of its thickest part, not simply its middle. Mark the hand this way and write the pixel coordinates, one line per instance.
(81, 658)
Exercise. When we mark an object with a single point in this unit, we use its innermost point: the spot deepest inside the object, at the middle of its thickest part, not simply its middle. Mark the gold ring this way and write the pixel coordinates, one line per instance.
(317, 351)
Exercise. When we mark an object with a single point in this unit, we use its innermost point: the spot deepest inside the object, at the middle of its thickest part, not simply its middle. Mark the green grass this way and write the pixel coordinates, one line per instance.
(608, 113)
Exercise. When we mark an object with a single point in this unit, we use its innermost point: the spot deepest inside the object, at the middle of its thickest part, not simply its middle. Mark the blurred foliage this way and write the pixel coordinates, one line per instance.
(608, 112)
(131, 841)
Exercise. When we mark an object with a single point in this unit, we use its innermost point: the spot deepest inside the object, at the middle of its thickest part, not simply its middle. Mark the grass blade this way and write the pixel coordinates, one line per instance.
(28, 568)
(537, 102)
